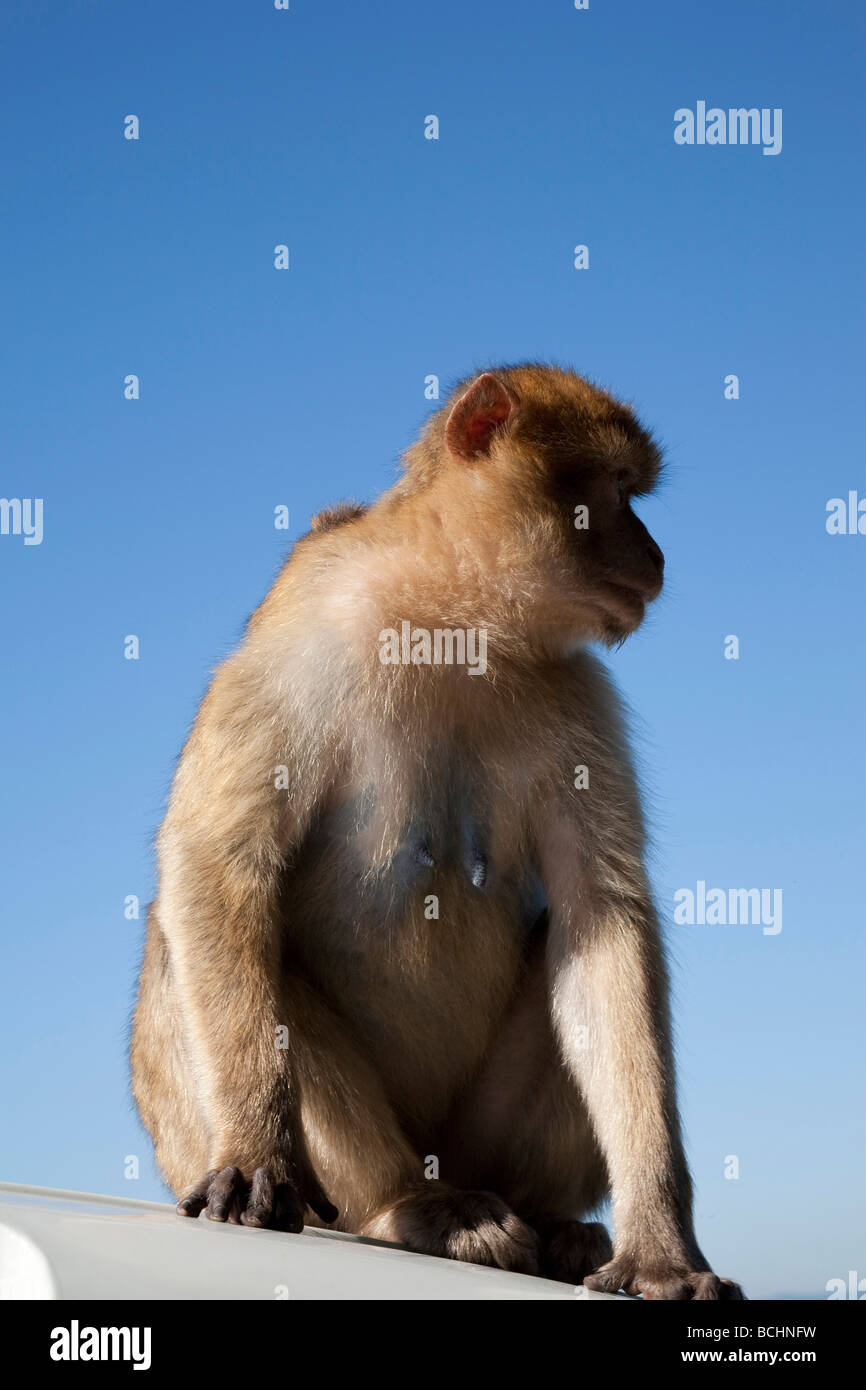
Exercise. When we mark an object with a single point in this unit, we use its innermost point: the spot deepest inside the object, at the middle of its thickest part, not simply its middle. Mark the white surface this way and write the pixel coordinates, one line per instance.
(56, 1244)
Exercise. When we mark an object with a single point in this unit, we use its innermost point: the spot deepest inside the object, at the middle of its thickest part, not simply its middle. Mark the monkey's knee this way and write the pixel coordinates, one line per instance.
(476, 1227)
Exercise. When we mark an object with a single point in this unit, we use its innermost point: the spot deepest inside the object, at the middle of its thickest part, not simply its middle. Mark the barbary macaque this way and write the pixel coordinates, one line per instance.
(403, 973)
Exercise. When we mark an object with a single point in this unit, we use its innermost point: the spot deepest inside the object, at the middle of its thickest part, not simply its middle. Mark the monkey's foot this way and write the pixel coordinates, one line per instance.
(571, 1249)
(662, 1281)
(226, 1195)
(476, 1227)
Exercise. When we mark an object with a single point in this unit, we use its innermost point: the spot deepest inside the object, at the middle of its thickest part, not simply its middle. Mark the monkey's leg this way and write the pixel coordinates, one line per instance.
(521, 1129)
(350, 1129)
(353, 1136)
(376, 1179)
(368, 1165)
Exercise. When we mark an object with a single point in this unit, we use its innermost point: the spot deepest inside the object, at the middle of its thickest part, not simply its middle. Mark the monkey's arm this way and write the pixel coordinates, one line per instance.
(609, 993)
(222, 848)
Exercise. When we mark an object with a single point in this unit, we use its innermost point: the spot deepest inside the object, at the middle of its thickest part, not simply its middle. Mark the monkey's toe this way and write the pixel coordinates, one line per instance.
(707, 1285)
(572, 1249)
(475, 1227)
(656, 1282)
(650, 1281)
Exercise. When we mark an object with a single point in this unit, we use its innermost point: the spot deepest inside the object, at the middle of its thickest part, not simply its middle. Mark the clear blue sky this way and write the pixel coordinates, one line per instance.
(261, 387)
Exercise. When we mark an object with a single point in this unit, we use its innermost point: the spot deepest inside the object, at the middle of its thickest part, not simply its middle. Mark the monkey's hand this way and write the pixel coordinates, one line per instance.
(663, 1278)
(226, 1195)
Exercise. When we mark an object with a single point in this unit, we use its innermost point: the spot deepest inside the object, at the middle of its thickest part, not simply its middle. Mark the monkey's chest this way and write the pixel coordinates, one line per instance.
(414, 919)
(381, 857)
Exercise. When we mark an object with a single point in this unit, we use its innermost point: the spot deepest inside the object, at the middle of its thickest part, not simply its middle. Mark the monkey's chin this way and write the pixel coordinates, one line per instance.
(615, 612)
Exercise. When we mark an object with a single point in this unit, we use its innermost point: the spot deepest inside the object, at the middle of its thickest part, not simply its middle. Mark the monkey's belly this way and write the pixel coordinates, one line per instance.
(420, 954)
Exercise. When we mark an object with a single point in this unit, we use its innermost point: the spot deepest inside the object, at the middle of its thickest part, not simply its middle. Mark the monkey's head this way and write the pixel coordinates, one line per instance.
(547, 465)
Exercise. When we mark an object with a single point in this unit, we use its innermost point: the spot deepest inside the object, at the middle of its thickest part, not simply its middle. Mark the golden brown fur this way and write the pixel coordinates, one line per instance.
(325, 799)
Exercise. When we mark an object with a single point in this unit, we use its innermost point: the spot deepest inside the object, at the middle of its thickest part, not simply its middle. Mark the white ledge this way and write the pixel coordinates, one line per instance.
(69, 1245)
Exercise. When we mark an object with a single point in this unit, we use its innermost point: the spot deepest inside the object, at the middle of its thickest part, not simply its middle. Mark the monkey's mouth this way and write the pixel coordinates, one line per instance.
(625, 605)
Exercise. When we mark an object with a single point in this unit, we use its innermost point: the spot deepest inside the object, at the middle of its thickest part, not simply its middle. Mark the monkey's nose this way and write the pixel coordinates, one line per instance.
(655, 553)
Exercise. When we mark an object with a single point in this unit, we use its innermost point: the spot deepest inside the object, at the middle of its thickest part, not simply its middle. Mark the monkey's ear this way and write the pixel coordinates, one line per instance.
(479, 411)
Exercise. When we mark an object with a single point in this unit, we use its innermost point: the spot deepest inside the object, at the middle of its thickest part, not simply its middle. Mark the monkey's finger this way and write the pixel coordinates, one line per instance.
(288, 1209)
(195, 1200)
(318, 1202)
(222, 1194)
(238, 1203)
(259, 1209)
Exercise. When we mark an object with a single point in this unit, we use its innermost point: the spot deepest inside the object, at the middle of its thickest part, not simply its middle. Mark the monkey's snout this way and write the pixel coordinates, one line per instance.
(654, 572)
(656, 556)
